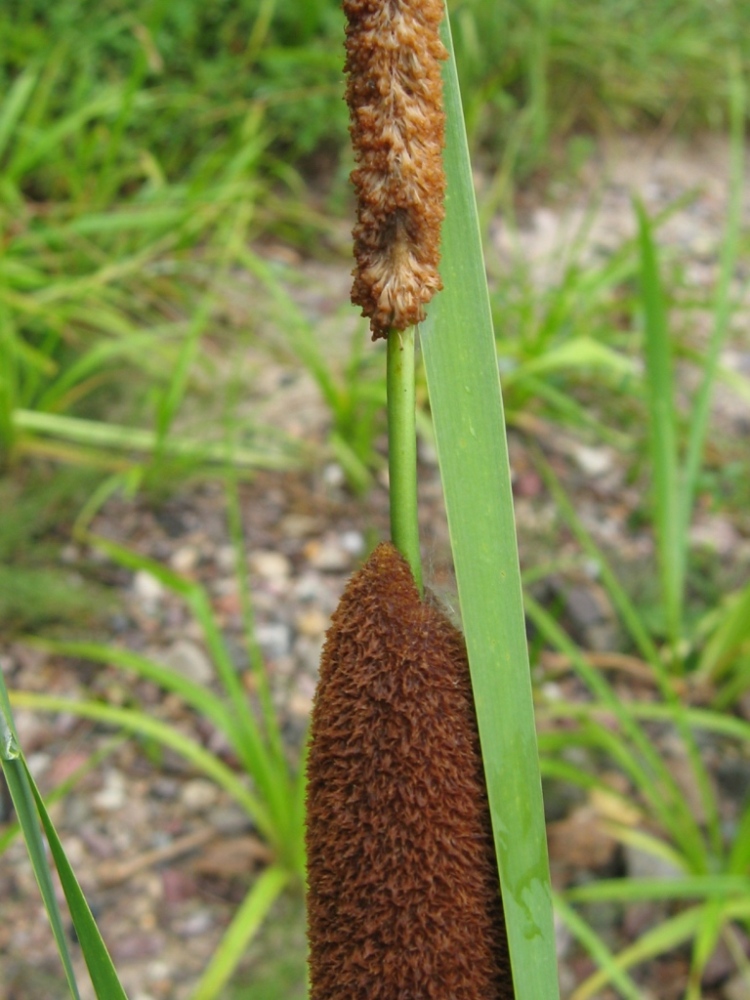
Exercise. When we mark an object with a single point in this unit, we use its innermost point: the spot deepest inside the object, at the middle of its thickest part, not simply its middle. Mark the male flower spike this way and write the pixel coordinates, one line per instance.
(395, 98)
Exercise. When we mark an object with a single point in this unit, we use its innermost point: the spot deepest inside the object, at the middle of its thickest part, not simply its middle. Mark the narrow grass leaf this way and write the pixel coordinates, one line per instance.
(240, 933)
(21, 792)
(633, 890)
(667, 505)
(732, 633)
(663, 938)
(596, 948)
(138, 722)
(462, 376)
(268, 772)
(103, 975)
(13, 107)
(193, 694)
(730, 247)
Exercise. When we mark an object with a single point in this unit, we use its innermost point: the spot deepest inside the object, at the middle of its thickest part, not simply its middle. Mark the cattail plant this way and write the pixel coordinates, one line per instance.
(404, 897)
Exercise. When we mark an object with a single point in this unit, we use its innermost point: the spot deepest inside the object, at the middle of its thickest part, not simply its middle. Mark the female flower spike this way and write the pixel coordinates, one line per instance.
(403, 891)
(394, 93)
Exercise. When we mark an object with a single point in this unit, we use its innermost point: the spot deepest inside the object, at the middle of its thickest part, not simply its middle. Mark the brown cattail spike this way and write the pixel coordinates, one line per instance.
(397, 125)
(403, 892)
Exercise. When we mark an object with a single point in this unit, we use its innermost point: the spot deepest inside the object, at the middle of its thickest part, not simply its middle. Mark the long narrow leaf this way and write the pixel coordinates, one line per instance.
(138, 722)
(243, 928)
(667, 504)
(21, 793)
(103, 975)
(462, 376)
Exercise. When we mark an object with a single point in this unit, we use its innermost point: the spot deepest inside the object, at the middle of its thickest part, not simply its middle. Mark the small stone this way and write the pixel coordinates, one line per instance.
(158, 970)
(187, 659)
(299, 525)
(185, 559)
(195, 925)
(230, 820)
(334, 475)
(199, 795)
(353, 542)
(427, 453)
(271, 566)
(274, 639)
(328, 556)
(38, 763)
(165, 788)
(312, 623)
(580, 841)
(113, 795)
(147, 588)
(226, 558)
(593, 461)
(300, 704)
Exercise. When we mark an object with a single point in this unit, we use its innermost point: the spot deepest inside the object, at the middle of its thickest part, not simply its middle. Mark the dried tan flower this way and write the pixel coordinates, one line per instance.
(395, 95)
(403, 890)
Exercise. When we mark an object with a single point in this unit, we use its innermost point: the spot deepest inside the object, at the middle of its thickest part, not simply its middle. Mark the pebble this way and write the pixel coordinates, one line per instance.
(194, 925)
(147, 588)
(113, 795)
(199, 795)
(334, 475)
(230, 820)
(299, 704)
(328, 556)
(312, 622)
(185, 559)
(271, 566)
(188, 660)
(593, 461)
(299, 525)
(274, 639)
(226, 558)
(38, 763)
(352, 542)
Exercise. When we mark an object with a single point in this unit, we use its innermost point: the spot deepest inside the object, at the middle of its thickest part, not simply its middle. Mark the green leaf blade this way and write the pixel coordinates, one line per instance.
(462, 376)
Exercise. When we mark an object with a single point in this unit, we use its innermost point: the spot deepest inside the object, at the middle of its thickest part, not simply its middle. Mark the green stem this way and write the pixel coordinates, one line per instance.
(402, 449)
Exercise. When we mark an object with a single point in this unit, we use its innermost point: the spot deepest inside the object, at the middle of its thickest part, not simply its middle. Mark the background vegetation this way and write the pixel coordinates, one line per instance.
(149, 154)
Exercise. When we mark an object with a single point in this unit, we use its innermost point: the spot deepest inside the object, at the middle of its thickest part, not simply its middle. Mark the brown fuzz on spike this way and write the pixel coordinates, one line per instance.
(395, 98)
(403, 891)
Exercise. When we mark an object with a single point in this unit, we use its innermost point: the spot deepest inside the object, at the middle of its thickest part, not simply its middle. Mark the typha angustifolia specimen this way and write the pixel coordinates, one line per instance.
(403, 891)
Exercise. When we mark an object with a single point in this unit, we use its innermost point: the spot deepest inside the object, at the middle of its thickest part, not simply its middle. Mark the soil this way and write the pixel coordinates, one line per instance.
(163, 855)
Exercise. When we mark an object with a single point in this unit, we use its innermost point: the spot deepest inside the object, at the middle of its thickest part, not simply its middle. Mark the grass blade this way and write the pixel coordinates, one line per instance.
(138, 722)
(723, 308)
(462, 376)
(597, 949)
(668, 509)
(242, 929)
(103, 975)
(20, 786)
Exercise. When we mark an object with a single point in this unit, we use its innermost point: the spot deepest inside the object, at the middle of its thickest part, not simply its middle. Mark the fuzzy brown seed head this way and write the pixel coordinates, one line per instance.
(403, 891)
(394, 93)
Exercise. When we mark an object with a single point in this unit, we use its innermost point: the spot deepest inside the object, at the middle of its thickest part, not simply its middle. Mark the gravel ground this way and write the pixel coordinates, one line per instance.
(163, 855)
